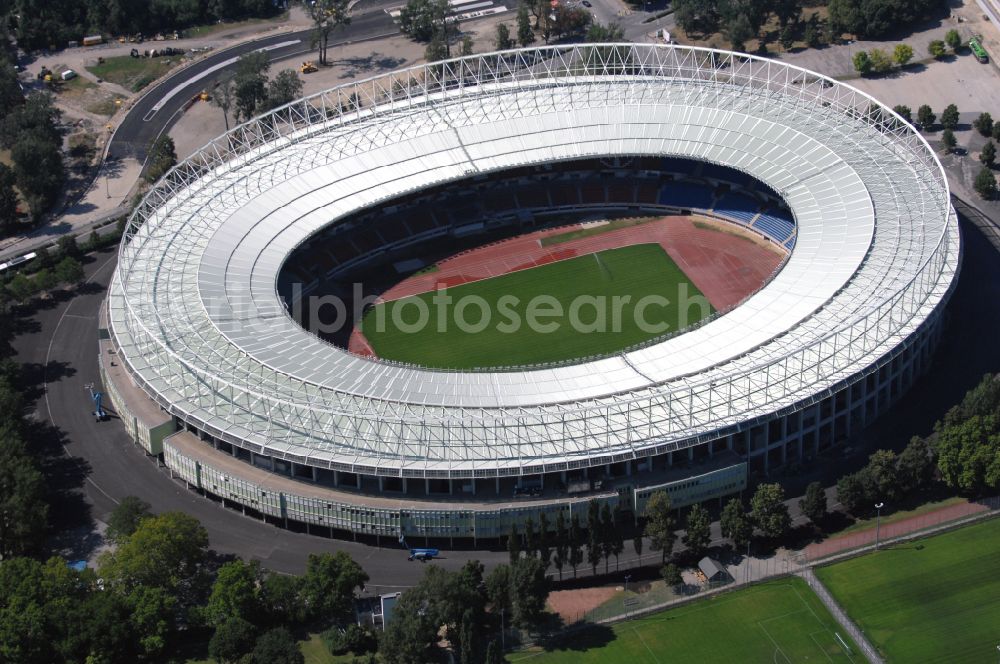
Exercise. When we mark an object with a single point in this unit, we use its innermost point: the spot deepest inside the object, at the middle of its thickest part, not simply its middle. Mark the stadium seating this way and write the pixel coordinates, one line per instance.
(738, 207)
(776, 228)
(689, 195)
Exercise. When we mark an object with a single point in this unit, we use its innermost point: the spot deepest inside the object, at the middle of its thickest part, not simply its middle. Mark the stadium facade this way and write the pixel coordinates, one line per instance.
(210, 373)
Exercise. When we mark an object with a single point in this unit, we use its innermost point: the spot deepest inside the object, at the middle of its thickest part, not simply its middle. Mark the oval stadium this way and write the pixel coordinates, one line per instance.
(383, 310)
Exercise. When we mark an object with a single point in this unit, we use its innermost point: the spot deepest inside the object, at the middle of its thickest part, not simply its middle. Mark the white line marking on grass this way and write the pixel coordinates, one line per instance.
(643, 641)
(777, 647)
(812, 635)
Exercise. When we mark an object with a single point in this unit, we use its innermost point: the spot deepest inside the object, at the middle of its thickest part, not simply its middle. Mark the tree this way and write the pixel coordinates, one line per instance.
(988, 155)
(698, 534)
(437, 49)
(735, 524)
(862, 63)
(984, 124)
(996, 131)
(281, 599)
(637, 547)
(812, 35)
(904, 112)
(953, 39)
(166, 551)
(125, 518)
(671, 575)
(498, 589)
(986, 184)
(813, 503)
(493, 653)
(787, 36)
(277, 646)
(948, 140)
(949, 117)
(575, 540)
(616, 537)
(529, 592)
(594, 538)
(285, 88)
(968, 452)
(884, 477)
(154, 619)
(23, 508)
(937, 49)
(926, 117)
(326, 16)
(561, 557)
(768, 510)
(423, 19)
(467, 45)
(8, 199)
(38, 171)
(162, 157)
(544, 541)
(223, 97)
(69, 271)
(853, 492)
(234, 593)
(613, 32)
(916, 465)
(660, 524)
(328, 586)
(513, 544)
(902, 54)
(881, 62)
(530, 538)
(250, 83)
(525, 36)
(739, 30)
(503, 41)
(232, 640)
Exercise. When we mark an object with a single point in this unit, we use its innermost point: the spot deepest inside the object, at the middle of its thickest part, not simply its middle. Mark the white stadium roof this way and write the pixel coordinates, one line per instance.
(196, 315)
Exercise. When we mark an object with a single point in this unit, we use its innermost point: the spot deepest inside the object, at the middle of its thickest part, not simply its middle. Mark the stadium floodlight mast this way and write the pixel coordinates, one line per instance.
(878, 518)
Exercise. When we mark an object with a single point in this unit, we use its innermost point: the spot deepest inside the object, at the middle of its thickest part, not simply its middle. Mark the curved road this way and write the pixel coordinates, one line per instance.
(64, 343)
(157, 109)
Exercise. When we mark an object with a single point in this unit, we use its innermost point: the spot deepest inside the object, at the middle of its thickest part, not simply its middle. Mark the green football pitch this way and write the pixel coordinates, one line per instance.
(931, 600)
(774, 623)
(575, 308)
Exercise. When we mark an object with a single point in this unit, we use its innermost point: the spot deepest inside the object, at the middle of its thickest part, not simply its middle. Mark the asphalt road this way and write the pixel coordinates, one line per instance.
(156, 111)
(64, 341)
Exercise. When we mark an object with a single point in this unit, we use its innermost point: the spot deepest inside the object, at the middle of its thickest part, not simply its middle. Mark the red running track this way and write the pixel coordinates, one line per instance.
(725, 262)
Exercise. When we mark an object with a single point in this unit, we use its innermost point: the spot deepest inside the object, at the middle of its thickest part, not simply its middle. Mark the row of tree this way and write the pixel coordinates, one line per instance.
(249, 92)
(879, 61)
(161, 588)
(40, 24)
(30, 129)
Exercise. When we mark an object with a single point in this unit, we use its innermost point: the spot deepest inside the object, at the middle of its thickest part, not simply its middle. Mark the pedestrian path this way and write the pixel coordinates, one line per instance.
(824, 595)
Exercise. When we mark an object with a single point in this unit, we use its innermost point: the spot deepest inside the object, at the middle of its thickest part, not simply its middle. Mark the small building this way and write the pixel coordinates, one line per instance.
(713, 569)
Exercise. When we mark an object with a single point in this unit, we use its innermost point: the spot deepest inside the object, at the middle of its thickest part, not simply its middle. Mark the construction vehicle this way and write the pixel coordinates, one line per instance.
(976, 46)
(308, 68)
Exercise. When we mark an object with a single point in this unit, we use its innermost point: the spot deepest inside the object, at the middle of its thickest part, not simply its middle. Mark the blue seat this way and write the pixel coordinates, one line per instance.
(688, 195)
(776, 228)
(738, 207)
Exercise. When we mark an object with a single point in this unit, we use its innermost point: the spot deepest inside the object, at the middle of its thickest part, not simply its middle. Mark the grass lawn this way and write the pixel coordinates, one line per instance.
(418, 331)
(936, 599)
(781, 621)
(931, 600)
(133, 73)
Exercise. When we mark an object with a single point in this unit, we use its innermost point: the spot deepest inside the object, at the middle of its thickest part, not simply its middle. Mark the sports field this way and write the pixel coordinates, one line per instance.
(931, 600)
(774, 623)
(583, 306)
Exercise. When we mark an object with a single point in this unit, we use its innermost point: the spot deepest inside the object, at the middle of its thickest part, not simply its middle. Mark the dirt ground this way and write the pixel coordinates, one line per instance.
(572, 604)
